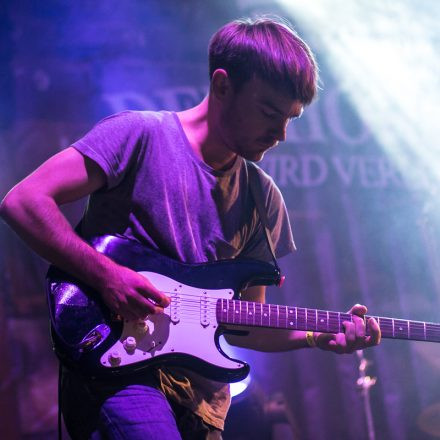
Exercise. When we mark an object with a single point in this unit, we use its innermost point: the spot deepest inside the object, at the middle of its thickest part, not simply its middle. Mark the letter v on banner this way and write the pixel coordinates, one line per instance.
(345, 171)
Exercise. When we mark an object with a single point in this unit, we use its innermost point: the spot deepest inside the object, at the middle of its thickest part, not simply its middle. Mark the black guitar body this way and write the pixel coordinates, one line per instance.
(84, 330)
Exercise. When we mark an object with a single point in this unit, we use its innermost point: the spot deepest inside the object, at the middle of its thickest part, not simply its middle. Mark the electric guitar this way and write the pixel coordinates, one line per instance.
(204, 304)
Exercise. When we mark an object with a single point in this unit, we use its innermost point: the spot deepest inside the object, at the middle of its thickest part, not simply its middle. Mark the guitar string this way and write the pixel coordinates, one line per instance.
(213, 301)
(212, 304)
(191, 315)
(196, 305)
(334, 317)
(259, 313)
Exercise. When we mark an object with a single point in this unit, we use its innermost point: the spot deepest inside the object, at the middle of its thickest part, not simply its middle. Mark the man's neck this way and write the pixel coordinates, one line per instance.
(200, 129)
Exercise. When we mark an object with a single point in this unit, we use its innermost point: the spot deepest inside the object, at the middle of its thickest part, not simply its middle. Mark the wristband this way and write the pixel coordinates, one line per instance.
(310, 339)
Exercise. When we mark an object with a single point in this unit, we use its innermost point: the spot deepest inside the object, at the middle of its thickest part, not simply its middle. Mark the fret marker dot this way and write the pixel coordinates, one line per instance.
(237, 311)
(290, 323)
(400, 328)
(321, 320)
(264, 314)
(224, 310)
(250, 313)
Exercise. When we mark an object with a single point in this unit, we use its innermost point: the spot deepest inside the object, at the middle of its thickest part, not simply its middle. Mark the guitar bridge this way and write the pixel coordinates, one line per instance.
(204, 310)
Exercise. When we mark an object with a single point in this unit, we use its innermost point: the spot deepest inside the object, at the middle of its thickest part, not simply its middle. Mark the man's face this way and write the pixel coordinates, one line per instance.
(255, 119)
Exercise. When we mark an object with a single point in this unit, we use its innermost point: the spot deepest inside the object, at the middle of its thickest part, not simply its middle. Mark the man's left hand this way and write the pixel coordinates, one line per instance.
(354, 337)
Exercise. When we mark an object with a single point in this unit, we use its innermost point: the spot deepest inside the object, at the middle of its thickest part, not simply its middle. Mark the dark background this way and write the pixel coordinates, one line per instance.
(364, 235)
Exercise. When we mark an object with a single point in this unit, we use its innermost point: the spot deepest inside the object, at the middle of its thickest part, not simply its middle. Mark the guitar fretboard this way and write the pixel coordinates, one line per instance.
(251, 314)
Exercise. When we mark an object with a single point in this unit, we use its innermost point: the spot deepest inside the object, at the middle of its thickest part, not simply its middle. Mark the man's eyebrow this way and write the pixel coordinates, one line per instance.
(271, 106)
(279, 111)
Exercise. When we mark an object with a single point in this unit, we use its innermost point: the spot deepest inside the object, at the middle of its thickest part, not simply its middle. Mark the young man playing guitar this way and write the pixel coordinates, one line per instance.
(177, 183)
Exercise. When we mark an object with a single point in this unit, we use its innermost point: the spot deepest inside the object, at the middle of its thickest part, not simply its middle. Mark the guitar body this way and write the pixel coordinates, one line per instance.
(88, 338)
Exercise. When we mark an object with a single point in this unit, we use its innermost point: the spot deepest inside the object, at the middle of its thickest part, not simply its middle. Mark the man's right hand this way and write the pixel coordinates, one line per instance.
(131, 295)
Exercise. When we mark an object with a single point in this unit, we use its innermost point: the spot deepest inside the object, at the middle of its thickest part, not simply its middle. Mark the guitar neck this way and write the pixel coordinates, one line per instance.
(251, 314)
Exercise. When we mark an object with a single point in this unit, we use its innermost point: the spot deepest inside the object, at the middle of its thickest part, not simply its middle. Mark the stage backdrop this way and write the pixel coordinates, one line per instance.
(363, 235)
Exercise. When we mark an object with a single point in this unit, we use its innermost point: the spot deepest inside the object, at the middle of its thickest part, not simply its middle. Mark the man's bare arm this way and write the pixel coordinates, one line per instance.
(31, 208)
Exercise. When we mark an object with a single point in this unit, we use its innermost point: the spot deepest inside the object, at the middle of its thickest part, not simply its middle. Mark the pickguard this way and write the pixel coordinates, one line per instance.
(187, 326)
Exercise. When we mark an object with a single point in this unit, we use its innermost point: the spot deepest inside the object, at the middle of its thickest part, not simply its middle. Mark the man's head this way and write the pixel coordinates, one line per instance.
(268, 49)
(262, 75)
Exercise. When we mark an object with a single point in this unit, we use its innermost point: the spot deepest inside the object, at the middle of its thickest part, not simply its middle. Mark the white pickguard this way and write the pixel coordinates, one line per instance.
(188, 326)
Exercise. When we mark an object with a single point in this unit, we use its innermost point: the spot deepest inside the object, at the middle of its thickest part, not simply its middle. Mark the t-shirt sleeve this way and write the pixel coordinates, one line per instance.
(114, 143)
(279, 226)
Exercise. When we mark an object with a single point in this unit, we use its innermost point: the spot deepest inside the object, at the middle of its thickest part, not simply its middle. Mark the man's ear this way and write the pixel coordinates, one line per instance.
(221, 86)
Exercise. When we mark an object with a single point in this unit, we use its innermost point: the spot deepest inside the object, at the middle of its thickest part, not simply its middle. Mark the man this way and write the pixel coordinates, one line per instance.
(177, 182)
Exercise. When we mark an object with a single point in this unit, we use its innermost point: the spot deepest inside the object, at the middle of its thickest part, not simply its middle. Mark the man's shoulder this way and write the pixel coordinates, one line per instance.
(141, 117)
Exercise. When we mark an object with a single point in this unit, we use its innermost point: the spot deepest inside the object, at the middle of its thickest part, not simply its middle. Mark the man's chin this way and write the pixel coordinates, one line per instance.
(255, 157)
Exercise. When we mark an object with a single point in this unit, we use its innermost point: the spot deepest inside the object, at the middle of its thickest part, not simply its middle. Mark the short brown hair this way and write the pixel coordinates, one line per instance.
(268, 48)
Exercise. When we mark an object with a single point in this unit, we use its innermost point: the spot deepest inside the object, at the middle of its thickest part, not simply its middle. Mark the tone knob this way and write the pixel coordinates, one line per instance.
(130, 344)
(114, 358)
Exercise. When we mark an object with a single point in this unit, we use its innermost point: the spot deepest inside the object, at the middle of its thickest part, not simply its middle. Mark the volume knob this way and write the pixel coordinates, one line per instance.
(130, 344)
(114, 358)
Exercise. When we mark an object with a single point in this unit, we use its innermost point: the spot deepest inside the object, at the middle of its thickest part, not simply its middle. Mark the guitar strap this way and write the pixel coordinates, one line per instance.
(259, 197)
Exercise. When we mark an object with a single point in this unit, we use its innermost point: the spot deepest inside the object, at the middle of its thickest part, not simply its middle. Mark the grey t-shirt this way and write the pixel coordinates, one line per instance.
(160, 193)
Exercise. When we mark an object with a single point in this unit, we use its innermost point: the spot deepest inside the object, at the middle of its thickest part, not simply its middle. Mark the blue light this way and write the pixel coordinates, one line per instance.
(239, 387)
